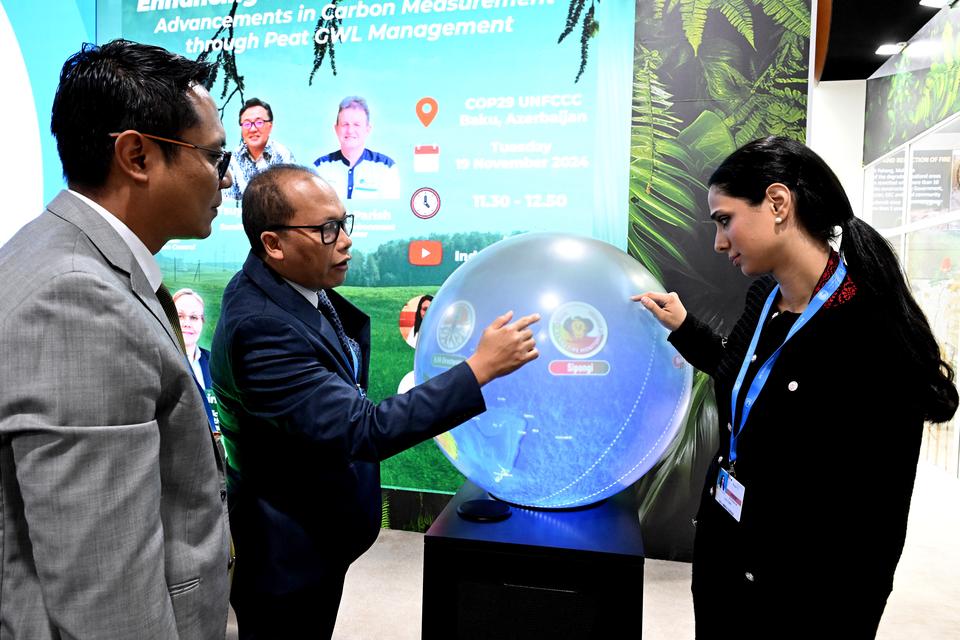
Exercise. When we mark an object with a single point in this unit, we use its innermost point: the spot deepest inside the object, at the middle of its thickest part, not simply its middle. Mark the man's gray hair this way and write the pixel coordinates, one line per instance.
(354, 102)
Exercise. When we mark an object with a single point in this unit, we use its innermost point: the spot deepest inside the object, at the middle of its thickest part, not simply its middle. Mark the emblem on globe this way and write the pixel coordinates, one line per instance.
(577, 330)
(456, 326)
(601, 404)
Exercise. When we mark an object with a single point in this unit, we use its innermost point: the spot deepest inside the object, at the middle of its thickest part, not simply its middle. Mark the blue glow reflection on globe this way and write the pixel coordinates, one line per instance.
(601, 404)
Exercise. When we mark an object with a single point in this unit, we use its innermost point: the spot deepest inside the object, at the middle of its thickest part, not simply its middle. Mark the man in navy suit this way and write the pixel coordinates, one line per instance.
(290, 362)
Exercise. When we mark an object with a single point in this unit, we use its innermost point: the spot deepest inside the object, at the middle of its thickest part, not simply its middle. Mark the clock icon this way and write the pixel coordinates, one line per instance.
(425, 203)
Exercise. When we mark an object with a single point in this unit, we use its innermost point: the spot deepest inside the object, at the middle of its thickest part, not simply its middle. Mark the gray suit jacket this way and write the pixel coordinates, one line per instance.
(113, 518)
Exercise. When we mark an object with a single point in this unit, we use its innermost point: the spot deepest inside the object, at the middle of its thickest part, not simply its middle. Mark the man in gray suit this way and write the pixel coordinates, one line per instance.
(113, 508)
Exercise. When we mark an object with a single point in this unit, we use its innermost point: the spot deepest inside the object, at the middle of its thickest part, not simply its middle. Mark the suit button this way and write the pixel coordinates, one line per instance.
(729, 427)
(720, 459)
(748, 576)
(792, 386)
(753, 358)
(223, 495)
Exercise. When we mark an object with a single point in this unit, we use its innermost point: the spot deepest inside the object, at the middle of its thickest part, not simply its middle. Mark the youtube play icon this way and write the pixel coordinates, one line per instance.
(425, 253)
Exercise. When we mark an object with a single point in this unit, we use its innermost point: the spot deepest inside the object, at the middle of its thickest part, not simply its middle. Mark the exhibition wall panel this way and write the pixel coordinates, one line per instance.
(609, 133)
(912, 196)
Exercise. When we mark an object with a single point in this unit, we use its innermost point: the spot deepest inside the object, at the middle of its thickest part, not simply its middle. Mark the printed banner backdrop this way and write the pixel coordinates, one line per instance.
(514, 145)
(916, 89)
(477, 104)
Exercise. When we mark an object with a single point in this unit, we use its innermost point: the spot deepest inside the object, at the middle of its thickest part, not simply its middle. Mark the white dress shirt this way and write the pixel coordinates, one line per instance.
(148, 263)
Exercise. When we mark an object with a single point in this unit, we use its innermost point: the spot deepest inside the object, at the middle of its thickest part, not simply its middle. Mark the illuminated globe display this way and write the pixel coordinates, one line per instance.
(601, 404)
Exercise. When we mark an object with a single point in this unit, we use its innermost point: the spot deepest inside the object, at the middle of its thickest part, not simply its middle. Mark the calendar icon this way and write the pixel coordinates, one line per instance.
(426, 158)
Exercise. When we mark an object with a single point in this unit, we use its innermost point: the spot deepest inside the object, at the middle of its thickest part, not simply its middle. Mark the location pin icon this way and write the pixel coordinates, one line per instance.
(426, 110)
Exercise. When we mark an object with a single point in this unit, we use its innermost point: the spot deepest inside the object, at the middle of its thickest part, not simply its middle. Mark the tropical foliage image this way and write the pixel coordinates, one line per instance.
(923, 90)
(709, 76)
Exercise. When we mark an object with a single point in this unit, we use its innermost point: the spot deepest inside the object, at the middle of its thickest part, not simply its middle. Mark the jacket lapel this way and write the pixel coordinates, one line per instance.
(114, 250)
(290, 300)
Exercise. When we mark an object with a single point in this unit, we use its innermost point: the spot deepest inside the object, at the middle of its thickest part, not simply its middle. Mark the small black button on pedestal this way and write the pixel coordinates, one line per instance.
(483, 510)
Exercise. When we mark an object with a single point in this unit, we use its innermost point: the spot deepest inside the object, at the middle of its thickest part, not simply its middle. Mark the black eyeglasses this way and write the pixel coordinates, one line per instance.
(222, 157)
(329, 231)
(258, 123)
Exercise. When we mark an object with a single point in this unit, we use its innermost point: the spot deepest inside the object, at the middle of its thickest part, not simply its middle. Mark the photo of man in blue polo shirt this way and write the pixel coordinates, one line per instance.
(355, 172)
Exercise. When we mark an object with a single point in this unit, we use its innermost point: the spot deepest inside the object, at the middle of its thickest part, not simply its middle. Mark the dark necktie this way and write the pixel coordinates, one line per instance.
(350, 346)
(169, 308)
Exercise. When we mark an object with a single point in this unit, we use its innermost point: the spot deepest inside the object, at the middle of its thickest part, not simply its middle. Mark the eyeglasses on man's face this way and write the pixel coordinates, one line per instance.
(254, 124)
(329, 231)
(221, 158)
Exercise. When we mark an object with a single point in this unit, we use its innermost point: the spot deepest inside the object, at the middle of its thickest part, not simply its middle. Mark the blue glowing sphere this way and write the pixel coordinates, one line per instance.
(601, 404)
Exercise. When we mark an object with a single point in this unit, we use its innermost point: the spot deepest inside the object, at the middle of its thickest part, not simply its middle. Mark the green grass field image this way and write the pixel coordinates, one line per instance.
(422, 468)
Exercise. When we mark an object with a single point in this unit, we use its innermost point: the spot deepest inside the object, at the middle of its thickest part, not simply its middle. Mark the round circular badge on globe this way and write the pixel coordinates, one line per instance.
(578, 330)
(599, 406)
(456, 326)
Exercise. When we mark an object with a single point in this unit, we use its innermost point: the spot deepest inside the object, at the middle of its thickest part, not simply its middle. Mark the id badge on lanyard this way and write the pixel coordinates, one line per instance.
(729, 491)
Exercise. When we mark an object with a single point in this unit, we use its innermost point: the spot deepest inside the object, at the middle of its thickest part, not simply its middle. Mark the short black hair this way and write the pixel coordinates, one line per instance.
(254, 102)
(264, 203)
(115, 87)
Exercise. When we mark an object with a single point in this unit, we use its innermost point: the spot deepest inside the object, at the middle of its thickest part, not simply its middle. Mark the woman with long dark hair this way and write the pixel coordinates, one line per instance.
(422, 305)
(822, 390)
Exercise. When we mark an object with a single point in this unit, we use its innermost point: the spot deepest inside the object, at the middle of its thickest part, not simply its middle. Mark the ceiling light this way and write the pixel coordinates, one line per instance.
(890, 49)
(936, 4)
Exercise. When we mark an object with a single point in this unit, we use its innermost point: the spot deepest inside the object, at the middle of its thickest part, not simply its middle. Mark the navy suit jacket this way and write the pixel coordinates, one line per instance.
(304, 444)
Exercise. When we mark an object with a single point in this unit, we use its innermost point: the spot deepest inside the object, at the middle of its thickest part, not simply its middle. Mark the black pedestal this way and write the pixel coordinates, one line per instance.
(537, 574)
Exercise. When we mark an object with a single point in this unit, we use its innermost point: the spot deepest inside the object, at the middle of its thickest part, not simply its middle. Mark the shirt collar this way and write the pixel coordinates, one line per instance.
(146, 260)
(338, 155)
(312, 297)
(267, 150)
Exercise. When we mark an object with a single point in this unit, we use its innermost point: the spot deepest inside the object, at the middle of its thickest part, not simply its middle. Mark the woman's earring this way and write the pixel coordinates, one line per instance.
(778, 220)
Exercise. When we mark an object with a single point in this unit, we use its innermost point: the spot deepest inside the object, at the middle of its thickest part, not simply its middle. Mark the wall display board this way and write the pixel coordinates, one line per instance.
(885, 188)
(929, 182)
(912, 186)
(916, 89)
(494, 128)
(912, 196)
(477, 105)
(955, 182)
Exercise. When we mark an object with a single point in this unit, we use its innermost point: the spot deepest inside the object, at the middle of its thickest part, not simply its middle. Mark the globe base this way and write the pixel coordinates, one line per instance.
(484, 510)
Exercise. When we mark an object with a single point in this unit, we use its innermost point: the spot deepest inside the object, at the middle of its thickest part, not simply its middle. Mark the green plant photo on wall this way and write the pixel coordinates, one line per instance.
(915, 90)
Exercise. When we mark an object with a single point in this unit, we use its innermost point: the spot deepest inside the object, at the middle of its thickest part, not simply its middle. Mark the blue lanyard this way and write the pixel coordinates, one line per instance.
(203, 396)
(764, 372)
